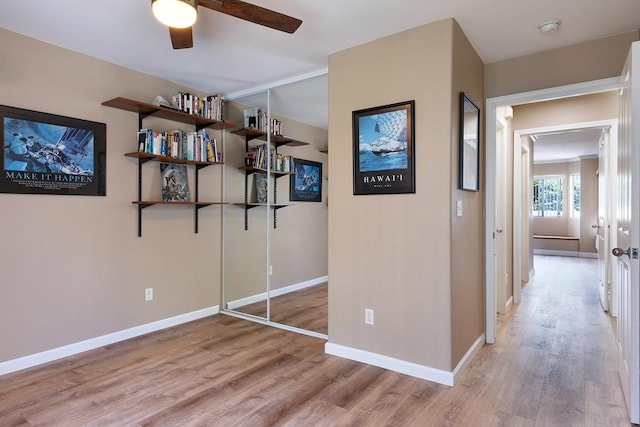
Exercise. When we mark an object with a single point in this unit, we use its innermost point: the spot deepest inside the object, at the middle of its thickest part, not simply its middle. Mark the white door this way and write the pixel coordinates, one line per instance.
(500, 250)
(602, 241)
(628, 336)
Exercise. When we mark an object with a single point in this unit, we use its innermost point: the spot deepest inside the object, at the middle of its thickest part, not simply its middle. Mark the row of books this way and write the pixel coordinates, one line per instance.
(192, 146)
(256, 118)
(257, 157)
(209, 107)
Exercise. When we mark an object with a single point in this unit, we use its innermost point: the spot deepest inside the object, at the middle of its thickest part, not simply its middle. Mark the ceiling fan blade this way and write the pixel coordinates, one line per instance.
(181, 38)
(252, 13)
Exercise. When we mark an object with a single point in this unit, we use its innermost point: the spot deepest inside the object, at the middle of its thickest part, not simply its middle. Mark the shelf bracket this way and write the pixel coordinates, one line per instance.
(142, 116)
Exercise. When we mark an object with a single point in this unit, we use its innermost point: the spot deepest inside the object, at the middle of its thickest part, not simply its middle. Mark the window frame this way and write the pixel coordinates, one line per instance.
(555, 213)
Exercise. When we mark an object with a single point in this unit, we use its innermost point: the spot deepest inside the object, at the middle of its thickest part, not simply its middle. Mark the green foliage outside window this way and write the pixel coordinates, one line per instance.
(547, 196)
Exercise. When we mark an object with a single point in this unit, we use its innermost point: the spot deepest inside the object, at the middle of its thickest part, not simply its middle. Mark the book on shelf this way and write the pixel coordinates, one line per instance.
(176, 143)
(175, 185)
(208, 107)
(261, 188)
(256, 118)
(257, 157)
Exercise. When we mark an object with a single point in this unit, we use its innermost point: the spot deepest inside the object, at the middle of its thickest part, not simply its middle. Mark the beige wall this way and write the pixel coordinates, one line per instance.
(467, 232)
(73, 267)
(393, 253)
(593, 60)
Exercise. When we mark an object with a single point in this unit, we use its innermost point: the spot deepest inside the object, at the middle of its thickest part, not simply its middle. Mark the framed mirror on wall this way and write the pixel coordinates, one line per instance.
(469, 148)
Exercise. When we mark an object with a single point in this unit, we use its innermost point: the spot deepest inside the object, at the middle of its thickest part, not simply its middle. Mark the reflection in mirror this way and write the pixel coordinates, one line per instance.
(299, 248)
(275, 256)
(245, 251)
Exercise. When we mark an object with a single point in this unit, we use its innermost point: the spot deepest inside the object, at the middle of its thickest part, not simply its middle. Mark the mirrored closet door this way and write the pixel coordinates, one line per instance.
(276, 228)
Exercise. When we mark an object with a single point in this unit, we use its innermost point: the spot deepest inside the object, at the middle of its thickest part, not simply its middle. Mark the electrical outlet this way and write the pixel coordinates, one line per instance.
(270, 270)
(368, 316)
(148, 294)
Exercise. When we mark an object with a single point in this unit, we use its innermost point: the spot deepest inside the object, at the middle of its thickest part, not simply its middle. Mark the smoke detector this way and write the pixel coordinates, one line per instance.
(549, 27)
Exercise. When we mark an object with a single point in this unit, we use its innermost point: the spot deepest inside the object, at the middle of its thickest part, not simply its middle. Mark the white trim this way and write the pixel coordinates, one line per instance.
(232, 305)
(597, 86)
(464, 362)
(553, 252)
(509, 303)
(263, 321)
(408, 368)
(588, 255)
(532, 272)
(258, 89)
(101, 341)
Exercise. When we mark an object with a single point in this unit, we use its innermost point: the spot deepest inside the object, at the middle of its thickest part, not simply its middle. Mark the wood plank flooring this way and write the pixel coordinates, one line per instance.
(306, 308)
(554, 365)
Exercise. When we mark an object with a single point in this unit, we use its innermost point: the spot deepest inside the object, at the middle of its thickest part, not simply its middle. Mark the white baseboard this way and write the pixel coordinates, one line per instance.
(555, 253)
(468, 357)
(97, 342)
(565, 253)
(408, 368)
(232, 305)
(588, 255)
(509, 303)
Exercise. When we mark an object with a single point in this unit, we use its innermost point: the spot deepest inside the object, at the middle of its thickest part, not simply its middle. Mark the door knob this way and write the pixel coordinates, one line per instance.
(619, 252)
(595, 226)
(499, 230)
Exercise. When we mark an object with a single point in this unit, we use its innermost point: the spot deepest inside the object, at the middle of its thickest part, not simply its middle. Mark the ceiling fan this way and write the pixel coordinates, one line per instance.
(180, 15)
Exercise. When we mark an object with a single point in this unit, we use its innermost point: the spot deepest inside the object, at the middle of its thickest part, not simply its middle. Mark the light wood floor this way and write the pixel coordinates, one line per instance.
(554, 365)
(306, 308)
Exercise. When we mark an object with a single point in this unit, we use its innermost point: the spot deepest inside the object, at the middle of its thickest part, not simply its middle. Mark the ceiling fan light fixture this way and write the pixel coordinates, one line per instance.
(175, 13)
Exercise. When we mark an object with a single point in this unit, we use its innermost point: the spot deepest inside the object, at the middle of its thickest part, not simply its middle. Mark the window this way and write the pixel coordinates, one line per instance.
(547, 196)
(575, 195)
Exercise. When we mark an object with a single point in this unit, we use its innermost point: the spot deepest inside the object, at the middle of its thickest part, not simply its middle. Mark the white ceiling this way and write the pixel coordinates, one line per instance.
(232, 56)
(566, 145)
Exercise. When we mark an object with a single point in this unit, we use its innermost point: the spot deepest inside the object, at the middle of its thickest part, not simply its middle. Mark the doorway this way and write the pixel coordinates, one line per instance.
(492, 104)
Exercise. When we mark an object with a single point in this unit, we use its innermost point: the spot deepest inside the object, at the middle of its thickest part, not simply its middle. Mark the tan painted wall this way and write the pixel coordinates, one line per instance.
(73, 267)
(593, 60)
(467, 232)
(392, 253)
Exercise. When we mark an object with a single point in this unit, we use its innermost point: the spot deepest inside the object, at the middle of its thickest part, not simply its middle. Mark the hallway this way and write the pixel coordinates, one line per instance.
(555, 361)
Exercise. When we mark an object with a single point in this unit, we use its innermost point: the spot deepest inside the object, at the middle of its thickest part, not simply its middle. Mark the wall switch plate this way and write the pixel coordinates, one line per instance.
(270, 270)
(148, 294)
(368, 316)
(458, 208)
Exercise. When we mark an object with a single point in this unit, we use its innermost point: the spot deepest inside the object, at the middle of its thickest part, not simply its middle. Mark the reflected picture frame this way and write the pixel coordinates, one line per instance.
(469, 145)
(305, 185)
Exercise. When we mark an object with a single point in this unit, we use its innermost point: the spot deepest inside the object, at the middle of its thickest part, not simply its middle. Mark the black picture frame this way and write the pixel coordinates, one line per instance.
(469, 145)
(50, 154)
(305, 185)
(383, 149)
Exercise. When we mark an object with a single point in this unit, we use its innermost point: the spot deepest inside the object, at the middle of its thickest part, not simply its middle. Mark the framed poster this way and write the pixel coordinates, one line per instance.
(469, 148)
(305, 185)
(383, 149)
(49, 154)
